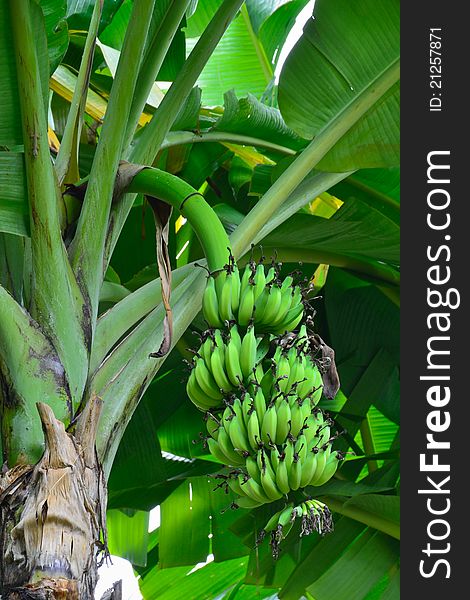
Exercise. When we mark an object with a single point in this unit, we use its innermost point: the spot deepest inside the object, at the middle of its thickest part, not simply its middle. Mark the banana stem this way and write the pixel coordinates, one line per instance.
(192, 205)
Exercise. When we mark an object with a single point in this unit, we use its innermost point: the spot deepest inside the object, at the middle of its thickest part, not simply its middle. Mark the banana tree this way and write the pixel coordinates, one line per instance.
(90, 366)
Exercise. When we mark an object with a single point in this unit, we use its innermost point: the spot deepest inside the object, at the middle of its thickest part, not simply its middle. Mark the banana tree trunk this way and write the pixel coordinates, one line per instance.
(52, 527)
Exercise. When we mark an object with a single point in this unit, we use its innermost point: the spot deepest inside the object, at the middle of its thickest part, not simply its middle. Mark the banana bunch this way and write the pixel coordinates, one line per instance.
(314, 515)
(223, 366)
(257, 297)
(295, 372)
(257, 377)
(271, 459)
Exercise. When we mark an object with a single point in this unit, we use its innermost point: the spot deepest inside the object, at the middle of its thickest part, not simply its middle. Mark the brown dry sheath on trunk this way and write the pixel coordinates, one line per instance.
(53, 515)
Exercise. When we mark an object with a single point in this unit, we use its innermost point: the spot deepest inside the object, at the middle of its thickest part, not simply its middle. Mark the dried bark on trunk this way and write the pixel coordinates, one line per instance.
(52, 526)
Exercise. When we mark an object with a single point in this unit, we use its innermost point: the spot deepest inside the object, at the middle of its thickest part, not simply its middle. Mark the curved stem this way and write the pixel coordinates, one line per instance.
(192, 206)
(144, 149)
(175, 138)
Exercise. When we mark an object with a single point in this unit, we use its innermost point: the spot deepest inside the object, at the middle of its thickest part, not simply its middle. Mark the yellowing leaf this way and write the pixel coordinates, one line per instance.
(325, 205)
(251, 156)
(63, 82)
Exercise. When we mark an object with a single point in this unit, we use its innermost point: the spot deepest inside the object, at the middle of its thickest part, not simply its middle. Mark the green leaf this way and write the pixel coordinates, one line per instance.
(113, 35)
(248, 116)
(56, 30)
(185, 524)
(345, 50)
(128, 535)
(14, 209)
(188, 115)
(260, 10)
(322, 557)
(361, 321)
(12, 250)
(371, 557)
(235, 63)
(385, 507)
(392, 592)
(206, 583)
(275, 29)
(369, 387)
(355, 230)
(79, 13)
(339, 487)
(10, 116)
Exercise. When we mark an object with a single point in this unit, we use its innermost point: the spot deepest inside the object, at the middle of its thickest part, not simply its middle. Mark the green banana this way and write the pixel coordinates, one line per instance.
(269, 425)
(329, 470)
(232, 363)
(296, 416)
(206, 350)
(255, 491)
(226, 446)
(225, 299)
(289, 456)
(291, 320)
(254, 434)
(216, 451)
(308, 468)
(272, 305)
(274, 459)
(252, 468)
(206, 381)
(296, 373)
(273, 521)
(269, 486)
(219, 279)
(260, 305)
(235, 337)
(234, 485)
(245, 502)
(247, 303)
(259, 404)
(310, 375)
(235, 290)
(283, 419)
(210, 304)
(283, 371)
(247, 408)
(247, 275)
(282, 477)
(218, 369)
(299, 415)
(271, 275)
(197, 396)
(321, 462)
(248, 353)
(284, 306)
(212, 425)
(300, 447)
(238, 435)
(259, 280)
(295, 474)
(286, 515)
